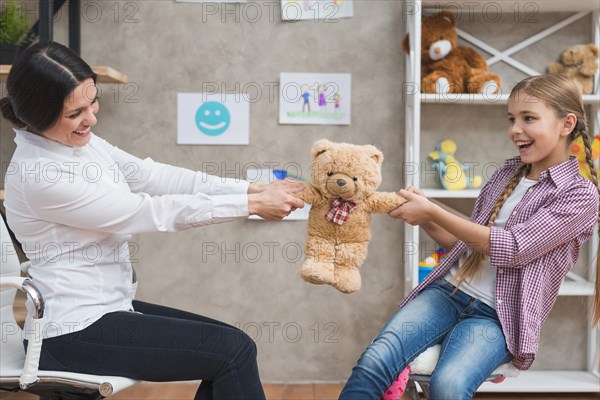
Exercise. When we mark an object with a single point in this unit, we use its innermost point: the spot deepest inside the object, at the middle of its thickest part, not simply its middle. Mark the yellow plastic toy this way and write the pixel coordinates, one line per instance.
(578, 150)
(453, 174)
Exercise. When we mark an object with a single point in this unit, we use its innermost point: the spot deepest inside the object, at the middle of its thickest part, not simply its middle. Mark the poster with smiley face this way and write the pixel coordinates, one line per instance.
(213, 118)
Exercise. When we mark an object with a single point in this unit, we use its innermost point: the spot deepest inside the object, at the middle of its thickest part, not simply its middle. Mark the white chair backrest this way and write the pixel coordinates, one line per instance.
(11, 341)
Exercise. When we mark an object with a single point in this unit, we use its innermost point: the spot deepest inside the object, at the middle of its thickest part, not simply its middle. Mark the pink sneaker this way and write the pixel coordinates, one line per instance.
(396, 390)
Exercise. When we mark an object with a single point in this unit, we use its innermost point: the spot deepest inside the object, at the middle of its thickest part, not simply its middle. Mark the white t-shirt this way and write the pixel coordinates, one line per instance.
(484, 286)
(74, 210)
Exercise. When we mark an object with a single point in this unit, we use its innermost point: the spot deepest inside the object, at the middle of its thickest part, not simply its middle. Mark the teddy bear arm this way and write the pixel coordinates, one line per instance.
(473, 58)
(588, 69)
(555, 68)
(384, 202)
(310, 194)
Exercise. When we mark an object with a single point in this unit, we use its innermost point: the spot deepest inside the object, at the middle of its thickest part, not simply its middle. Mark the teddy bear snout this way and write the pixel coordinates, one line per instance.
(341, 185)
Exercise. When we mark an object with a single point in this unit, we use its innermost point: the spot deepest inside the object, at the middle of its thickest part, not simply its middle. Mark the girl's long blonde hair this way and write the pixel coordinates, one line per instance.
(563, 95)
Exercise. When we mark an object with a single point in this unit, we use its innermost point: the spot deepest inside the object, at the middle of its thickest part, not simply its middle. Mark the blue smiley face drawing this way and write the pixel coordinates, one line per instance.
(212, 118)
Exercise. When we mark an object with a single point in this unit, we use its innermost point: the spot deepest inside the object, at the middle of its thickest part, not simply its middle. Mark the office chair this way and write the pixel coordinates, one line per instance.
(423, 366)
(19, 371)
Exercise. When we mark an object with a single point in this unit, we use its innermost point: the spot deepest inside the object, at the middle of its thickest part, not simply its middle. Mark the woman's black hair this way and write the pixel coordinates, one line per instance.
(39, 81)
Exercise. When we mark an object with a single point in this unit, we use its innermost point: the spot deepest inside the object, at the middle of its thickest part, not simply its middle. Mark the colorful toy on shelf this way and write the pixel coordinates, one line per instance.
(447, 67)
(578, 150)
(453, 175)
(578, 62)
(426, 266)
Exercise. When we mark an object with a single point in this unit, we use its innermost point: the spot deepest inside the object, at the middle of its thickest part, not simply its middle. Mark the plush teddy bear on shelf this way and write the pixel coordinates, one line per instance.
(578, 62)
(343, 195)
(446, 67)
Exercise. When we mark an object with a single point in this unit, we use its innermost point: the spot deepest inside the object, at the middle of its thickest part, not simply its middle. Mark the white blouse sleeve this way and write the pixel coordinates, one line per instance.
(154, 178)
(106, 207)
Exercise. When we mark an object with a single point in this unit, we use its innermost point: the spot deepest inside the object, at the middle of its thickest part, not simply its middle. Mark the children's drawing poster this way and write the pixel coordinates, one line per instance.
(314, 98)
(271, 175)
(316, 10)
(212, 118)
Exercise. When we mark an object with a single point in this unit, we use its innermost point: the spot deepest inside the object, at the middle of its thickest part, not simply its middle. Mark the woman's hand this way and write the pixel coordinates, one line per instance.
(417, 210)
(274, 201)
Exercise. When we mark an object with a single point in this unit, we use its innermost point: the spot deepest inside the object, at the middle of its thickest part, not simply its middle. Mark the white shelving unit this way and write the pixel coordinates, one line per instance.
(528, 381)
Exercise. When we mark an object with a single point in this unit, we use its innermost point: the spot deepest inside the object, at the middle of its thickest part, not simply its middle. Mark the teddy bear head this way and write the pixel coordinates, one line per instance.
(346, 171)
(438, 36)
(579, 57)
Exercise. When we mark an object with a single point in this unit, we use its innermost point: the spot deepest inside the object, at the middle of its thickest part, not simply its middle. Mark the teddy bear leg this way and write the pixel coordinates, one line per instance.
(349, 256)
(318, 264)
(483, 82)
(439, 82)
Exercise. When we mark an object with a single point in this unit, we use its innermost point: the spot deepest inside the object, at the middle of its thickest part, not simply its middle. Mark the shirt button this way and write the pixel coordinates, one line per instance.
(530, 190)
(501, 271)
(499, 302)
(514, 213)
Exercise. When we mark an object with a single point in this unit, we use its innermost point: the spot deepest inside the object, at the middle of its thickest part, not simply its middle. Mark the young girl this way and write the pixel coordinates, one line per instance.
(487, 301)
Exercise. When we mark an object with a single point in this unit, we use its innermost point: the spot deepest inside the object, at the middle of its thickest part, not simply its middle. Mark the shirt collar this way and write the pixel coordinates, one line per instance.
(24, 136)
(560, 173)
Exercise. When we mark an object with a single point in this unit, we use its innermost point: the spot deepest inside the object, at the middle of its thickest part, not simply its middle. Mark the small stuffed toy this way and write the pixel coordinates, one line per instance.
(578, 62)
(578, 150)
(343, 195)
(454, 175)
(446, 67)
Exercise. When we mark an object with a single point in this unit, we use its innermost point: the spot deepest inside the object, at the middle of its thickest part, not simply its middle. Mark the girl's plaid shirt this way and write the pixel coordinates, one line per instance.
(535, 250)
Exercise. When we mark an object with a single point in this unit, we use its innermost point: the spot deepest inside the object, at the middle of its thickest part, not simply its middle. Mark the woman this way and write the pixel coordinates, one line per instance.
(74, 201)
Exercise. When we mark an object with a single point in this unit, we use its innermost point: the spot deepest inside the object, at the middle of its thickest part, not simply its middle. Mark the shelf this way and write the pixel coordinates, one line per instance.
(546, 381)
(479, 99)
(575, 285)
(105, 74)
(525, 7)
(451, 194)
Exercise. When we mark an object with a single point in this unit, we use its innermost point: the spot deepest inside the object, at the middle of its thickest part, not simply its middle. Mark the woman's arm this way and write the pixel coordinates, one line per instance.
(155, 178)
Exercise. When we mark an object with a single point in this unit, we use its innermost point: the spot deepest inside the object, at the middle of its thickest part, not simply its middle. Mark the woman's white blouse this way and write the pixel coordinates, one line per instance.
(74, 209)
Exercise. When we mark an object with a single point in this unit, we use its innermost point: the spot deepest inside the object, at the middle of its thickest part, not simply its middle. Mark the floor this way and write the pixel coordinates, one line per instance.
(183, 391)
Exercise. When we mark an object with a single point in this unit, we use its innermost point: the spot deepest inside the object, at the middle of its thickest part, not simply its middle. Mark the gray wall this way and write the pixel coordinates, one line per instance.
(304, 332)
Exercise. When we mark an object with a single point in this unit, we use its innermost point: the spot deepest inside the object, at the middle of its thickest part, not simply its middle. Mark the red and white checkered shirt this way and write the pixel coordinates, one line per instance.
(535, 250)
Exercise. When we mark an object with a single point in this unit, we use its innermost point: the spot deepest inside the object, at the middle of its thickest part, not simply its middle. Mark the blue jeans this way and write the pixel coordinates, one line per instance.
(469, 331)
(162, 344)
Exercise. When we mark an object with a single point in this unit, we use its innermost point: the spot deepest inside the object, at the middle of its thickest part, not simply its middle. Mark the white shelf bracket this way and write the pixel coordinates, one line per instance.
(506, 54)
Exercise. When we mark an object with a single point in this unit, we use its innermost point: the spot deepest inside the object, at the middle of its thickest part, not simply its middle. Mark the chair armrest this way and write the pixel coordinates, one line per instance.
(12, 282)
(29, 376)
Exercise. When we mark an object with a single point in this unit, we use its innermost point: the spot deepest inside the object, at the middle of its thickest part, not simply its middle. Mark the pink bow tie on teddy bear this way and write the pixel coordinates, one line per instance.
(340, 211)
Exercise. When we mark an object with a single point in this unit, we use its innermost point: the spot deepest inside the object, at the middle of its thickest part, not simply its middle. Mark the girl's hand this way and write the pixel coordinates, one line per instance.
(417, 210)
(274, 201)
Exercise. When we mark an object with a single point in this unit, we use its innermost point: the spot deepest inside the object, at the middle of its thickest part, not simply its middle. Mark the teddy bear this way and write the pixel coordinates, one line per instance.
(343, 195)
(446, 67)
(453, 174)
(578, 62)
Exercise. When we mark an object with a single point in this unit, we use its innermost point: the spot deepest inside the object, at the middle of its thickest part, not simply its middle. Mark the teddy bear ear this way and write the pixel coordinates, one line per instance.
(446, 18)
(375, 154)
(405, 44)
(320, 147)
(594, 49)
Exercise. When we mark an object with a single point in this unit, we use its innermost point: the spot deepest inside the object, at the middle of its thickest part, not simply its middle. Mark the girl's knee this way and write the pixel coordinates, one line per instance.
(450, 386)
